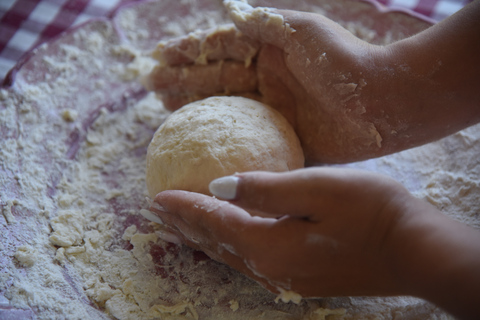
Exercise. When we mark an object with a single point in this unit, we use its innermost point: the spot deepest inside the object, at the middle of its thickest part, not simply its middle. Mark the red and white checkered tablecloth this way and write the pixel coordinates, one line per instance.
(25, 24)
(435, 9)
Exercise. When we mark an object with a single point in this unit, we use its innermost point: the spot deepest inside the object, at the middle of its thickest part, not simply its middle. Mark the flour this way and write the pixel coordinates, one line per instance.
(74, 131)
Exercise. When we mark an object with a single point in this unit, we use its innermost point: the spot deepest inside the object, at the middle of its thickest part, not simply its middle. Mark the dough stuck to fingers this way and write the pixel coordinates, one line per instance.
(216, 137)
(262, 23)
(204, 63)
(225, 42)
(221, 77)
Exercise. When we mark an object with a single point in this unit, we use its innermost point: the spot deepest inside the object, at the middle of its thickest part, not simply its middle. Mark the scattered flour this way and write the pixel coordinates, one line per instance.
(74, 130)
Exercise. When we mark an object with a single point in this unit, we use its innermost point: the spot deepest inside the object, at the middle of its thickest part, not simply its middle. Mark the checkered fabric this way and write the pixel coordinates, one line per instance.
(25, 24)
(435, 9)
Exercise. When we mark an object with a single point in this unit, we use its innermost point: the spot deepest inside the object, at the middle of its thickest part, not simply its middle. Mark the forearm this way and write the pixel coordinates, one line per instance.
(438, 259)
(430, 82)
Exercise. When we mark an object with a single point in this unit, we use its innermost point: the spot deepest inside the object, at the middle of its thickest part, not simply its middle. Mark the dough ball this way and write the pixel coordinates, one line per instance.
(216, 137)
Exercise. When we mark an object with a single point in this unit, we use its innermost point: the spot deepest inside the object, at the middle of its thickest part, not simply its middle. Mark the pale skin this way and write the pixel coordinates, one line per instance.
(335, 232)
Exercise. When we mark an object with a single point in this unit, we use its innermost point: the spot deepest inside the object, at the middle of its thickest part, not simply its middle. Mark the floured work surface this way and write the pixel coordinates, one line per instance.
(74, 131)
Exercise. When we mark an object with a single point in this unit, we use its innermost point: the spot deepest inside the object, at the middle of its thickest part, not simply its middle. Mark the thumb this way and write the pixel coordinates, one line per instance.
(269, 194)
(312, 193)
(264, 24)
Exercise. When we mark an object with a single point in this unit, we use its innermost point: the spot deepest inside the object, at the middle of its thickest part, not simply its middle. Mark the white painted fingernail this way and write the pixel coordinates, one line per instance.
(169, 237)
(225, 187)
(150, 216)
(156, 205)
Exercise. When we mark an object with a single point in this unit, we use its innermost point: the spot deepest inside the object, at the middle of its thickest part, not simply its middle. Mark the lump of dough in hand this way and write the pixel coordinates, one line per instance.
(216, 137)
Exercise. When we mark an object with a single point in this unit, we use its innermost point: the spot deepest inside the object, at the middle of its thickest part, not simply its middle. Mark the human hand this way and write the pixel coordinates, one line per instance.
(347, 100)
(306, 66)
(317, 232)
(330, 232)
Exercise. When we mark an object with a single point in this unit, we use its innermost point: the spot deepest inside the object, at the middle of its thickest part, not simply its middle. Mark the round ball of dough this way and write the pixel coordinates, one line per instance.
(216, 137)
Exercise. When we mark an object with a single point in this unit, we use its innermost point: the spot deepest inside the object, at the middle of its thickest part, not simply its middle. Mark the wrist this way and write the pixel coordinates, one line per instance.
(427, 84)
(436, 258)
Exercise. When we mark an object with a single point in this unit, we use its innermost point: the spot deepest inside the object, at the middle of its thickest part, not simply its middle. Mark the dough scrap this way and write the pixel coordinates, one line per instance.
(216, 137)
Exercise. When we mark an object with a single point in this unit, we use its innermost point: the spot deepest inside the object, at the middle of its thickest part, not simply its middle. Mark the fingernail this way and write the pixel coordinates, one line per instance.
(154, 205)
(224, 188)
(151, 216)
(169, 237)
(157, 206)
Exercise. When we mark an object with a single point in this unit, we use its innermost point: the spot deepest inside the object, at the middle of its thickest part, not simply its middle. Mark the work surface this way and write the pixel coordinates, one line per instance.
(75, 125)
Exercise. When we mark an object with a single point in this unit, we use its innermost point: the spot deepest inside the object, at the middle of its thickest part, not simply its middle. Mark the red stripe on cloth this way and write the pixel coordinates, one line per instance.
(11, 53)
(14, 18)
(6, 33)
(426, 7)
(64, 19)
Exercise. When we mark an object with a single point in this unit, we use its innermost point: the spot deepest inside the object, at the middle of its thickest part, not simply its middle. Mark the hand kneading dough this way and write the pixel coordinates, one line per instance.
(216, 137)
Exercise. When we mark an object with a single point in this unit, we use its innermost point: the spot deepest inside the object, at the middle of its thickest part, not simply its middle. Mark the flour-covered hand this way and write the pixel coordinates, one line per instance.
(314, 84)
(318, 232)
(347, 99)
(330, 232)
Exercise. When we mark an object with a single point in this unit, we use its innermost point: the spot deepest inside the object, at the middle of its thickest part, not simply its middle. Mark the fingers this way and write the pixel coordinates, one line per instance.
(263, 24)
(174, 102)
(178, 86)
(198, 216)
(306, 193)
(223, 43)
(224, 76)
(270, 194)
(214, 227)
(202, 64)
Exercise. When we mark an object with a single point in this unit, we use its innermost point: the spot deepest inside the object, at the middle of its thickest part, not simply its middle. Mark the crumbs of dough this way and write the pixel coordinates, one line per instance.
(287, 296)
(26, 255)
(233, 305)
